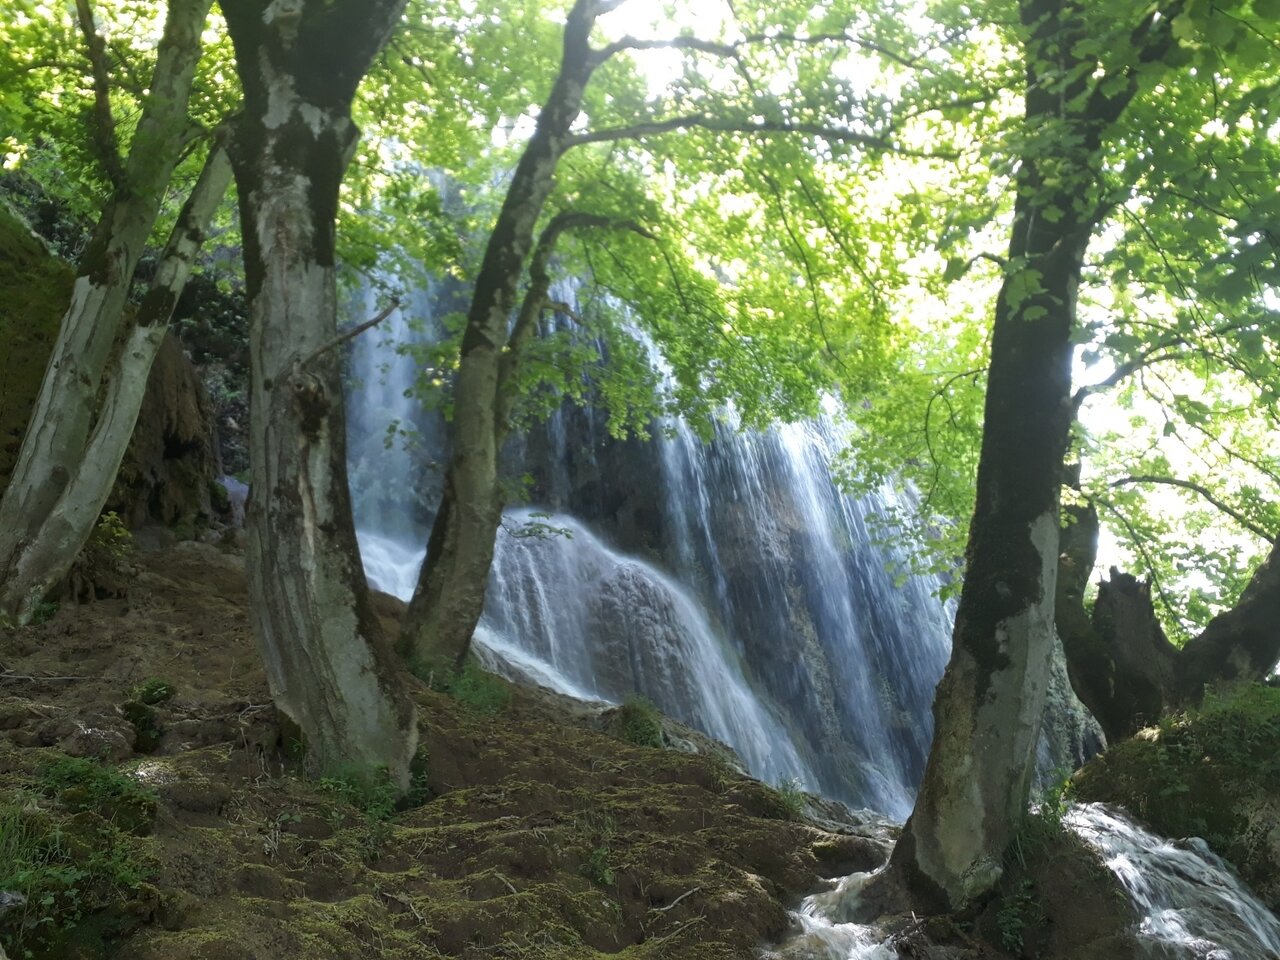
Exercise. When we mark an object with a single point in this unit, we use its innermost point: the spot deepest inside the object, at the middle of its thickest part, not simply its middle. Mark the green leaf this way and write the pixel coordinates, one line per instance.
(956, 268)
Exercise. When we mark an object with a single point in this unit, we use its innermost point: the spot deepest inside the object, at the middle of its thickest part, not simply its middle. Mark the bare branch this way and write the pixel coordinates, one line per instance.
(1204, 492)
(350, 333)
(768, 128)
(735, 49)
(814, 287)
(535, 298)
(104, 129)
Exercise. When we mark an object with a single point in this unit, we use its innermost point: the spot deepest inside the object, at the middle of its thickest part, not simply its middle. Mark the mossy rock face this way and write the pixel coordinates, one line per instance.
(1212, 773)
(34, 290)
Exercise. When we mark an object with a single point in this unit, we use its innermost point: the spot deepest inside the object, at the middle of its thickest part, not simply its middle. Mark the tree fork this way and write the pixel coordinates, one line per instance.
(55, 544)
(53, 448)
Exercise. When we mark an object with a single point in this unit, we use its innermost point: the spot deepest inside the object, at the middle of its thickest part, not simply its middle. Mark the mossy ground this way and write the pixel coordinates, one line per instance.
(540, 836)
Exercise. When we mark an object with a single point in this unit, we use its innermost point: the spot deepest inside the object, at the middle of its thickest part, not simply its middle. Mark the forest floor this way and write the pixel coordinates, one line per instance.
(148, 808)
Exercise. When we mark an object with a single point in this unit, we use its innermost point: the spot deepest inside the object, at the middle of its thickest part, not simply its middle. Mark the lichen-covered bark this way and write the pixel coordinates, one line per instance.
(53, 448)
(52, 546)
(449, 598)
(990, 701)
(328, 664)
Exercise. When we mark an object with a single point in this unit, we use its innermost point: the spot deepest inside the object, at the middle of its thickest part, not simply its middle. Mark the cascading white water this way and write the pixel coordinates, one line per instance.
(816, 570)
(613, 626)
(689, 638)
(1190, 901)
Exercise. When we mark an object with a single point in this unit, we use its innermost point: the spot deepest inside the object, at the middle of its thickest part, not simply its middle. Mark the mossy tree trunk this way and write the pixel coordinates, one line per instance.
(328, 664)
(1242, 643)
(449, 597)
(1121, 665)
(54, 545)
(53, 459)
(990, 701)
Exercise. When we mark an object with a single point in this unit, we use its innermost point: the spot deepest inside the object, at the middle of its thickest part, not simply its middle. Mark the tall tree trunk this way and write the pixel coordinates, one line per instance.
(990, 701)
(54, 445)
(328, 664)
(54, 545)
(449, 597)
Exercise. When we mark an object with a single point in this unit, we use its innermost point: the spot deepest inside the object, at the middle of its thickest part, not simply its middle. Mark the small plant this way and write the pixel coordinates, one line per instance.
(599, 829)
(1019, 911)
(147, 729)
(597, 868)
(73, 881)
(154, 691)
(105, 565)
(472, 685)
(111, 544)
(371, 791)
(639, 722)
(419, 769)
(81, 784)
(788, 800)
(1043, 827)
(44, 611)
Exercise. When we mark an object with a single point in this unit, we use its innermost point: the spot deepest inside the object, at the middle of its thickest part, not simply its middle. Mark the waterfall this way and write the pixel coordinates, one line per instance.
(587, 616)
(810, 581)
(749, 601)
(598, 621)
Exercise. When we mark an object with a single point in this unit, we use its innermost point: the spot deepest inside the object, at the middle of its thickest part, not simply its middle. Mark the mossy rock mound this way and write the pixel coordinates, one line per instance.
(1213, 772)
(34, 289)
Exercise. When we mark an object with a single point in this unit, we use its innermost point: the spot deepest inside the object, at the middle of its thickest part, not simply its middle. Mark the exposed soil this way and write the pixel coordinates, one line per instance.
(540, 836)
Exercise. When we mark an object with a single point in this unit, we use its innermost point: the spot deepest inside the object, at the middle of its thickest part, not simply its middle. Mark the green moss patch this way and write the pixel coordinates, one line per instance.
(73, 856)
(34, 290)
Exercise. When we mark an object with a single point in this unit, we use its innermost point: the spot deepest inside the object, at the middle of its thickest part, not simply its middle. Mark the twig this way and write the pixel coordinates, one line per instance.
(351, 333)
(675, 901)
(506, 883)
(31, 678)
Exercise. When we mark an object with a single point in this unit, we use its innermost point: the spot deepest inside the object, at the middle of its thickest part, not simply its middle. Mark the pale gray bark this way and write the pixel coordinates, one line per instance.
(50, 548)
(329, 667)
(55, 442)
(449, 597)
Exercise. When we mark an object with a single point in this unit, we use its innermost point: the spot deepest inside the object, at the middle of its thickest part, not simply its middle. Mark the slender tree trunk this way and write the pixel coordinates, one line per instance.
(990, 701)
(449, 598)
(57, 541)
(54, 447)
(328, 664)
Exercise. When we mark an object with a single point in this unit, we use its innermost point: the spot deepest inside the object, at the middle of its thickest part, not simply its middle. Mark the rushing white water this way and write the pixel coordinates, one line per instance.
(615, 625)
(1190, 901)
(819, 934)
(701, 632)
(880, 639)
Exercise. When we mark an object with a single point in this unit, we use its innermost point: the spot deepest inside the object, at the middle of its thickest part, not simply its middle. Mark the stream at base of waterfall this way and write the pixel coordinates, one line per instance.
(1189, 903)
